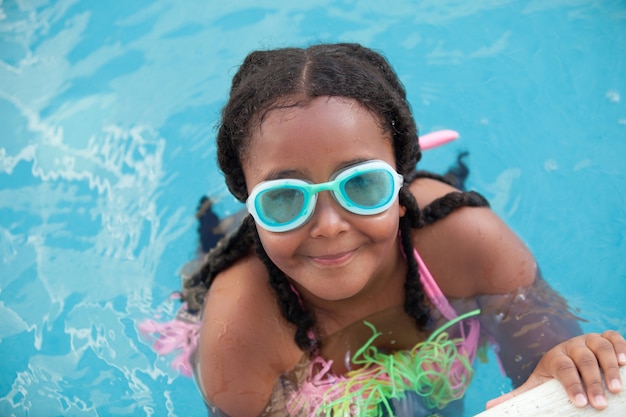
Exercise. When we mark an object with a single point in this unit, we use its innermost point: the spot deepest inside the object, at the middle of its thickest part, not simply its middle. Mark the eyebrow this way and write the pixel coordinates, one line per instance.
(297, 174)
(284, 173)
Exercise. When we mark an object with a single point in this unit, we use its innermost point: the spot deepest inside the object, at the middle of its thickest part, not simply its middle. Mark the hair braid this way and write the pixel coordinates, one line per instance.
(414, 297)
(450, 202)
(290, 303)
(229, 249)
(408, 201)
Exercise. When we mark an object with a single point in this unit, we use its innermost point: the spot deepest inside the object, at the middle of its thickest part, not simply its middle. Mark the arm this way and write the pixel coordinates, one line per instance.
(525, 324)
(497, 273)
(245, 345)
(474, 255)
(539, 338)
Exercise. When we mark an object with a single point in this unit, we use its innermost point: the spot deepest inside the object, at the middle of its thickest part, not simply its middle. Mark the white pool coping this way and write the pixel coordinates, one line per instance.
(549, 399)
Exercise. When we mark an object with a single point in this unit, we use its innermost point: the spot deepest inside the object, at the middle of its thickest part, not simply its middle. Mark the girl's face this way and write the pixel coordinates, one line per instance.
(336, 255)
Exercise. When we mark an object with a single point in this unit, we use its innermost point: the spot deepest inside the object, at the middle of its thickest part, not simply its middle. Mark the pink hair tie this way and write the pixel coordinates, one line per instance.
(437, 138)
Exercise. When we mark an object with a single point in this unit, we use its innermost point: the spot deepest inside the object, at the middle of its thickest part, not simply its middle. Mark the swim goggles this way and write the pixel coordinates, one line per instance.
(365, 188)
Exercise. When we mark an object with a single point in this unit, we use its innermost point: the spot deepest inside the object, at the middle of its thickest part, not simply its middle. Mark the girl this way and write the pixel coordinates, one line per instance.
(359, 286)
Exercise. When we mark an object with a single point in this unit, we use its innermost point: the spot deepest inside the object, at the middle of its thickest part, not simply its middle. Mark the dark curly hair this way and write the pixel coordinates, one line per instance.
(273, 79)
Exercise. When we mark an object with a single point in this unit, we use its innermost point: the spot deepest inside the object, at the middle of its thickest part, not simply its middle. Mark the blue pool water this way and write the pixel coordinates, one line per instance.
(107, 122)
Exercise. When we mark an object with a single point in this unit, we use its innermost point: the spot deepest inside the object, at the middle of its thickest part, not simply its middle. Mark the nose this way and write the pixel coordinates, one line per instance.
(329, 218)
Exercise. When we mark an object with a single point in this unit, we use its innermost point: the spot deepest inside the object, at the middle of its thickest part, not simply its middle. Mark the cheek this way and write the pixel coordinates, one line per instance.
(278, 246)
(390, 220)
(387, 228)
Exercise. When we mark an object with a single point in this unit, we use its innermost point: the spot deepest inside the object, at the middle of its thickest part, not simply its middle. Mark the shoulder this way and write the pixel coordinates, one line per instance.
(245, 344)
(471, 251)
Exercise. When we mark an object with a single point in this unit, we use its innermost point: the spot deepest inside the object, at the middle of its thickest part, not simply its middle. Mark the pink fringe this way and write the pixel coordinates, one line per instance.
(314, 390)
(176, 335)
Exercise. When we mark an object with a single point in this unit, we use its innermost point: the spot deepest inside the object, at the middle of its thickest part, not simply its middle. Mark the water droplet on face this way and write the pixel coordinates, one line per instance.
(518, 358)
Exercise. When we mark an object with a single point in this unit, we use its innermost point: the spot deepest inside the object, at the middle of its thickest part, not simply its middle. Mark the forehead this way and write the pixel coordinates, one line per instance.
(315, 137)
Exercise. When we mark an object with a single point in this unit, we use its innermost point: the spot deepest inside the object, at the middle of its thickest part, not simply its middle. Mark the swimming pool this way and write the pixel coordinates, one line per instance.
(107, 115)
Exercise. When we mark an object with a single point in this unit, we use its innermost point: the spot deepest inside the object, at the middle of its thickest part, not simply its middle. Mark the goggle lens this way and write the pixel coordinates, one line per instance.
(369, 190)
(280, 205)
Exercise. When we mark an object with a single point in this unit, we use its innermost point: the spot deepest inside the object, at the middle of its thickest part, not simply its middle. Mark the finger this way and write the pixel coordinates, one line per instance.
(567, 374)
(608, 357)
(587, 362)
(598, 353)
(619, 343)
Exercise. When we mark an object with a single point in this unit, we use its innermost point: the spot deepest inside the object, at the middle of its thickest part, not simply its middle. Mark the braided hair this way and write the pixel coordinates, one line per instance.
(270, 79)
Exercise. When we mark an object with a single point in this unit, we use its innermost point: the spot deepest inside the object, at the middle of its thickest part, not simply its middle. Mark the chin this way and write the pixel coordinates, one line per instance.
(338, 293)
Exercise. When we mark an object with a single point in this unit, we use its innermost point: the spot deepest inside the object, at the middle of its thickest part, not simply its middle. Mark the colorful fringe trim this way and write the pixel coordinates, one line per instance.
(179, 335)
(436, 369)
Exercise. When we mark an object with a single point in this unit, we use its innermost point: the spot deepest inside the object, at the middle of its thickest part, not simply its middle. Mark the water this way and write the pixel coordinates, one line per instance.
(107, 121)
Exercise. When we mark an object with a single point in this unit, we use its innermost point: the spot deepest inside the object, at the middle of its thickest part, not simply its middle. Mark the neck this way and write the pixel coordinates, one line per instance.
(385, 290)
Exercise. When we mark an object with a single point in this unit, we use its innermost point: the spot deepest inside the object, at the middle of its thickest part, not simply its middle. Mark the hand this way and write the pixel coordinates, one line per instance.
(577, 364)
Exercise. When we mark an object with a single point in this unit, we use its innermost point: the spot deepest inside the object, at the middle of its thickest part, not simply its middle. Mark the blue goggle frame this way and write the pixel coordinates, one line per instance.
(366, 188)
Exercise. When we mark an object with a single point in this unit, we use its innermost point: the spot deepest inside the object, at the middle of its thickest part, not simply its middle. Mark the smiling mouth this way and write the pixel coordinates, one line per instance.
(333, 260)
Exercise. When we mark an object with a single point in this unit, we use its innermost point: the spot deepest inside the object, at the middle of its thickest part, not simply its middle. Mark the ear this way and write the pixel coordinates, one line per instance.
(402, 210)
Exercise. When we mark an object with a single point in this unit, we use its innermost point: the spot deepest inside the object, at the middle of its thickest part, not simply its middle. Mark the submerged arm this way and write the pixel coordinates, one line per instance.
(540, 339)
(526, 324)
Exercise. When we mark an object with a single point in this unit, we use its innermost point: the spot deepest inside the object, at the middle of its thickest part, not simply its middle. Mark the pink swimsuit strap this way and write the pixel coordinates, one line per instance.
(432, 289)
(470, 330)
